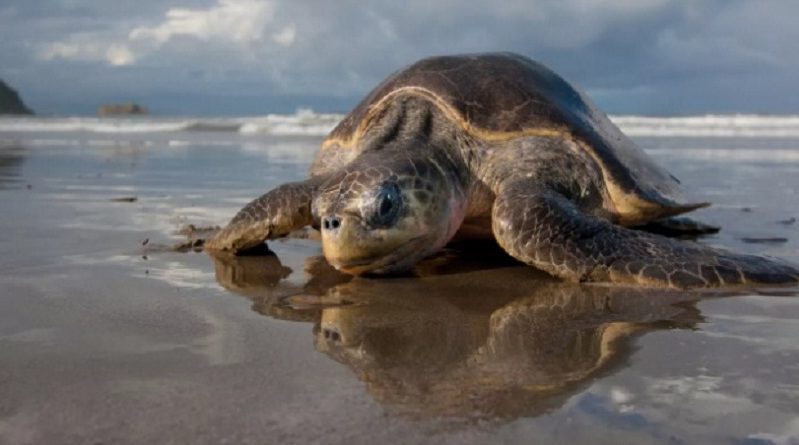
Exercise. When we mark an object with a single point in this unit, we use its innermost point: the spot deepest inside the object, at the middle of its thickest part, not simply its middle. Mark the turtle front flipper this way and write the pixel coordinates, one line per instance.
(273, 215)
(543, 228)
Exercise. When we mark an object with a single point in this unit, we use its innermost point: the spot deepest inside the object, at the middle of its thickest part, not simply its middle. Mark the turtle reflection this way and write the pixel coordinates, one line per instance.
(457, 342)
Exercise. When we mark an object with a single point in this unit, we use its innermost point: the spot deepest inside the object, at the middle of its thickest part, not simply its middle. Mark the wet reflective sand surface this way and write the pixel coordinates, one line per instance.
(107, 337)
(492, 344)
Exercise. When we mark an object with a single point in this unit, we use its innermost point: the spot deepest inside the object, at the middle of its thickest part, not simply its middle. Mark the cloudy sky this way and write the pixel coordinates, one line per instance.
(255, 56)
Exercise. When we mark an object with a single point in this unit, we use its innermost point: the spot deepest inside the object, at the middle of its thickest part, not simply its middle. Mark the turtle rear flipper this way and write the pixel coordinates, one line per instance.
(678, 227)
(545, 229)
(275, 214)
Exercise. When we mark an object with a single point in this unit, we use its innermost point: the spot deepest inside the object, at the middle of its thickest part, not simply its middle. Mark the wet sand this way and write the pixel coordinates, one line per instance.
(106, 337)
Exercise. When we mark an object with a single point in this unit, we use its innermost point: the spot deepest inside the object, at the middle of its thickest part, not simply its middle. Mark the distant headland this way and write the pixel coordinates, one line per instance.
(10, 102)
(121, 109)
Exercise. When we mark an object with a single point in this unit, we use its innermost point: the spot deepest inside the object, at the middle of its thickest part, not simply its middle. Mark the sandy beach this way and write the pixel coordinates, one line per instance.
(108, 336)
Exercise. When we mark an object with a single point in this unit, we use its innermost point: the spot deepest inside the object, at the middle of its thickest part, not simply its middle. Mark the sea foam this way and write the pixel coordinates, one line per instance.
(301, 123)
(735, 125)
(309, 123)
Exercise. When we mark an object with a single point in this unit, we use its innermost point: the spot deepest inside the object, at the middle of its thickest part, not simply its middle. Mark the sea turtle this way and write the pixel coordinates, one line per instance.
(499, 142)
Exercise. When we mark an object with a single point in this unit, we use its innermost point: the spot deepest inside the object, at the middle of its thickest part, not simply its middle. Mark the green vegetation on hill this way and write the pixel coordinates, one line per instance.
(10, 102)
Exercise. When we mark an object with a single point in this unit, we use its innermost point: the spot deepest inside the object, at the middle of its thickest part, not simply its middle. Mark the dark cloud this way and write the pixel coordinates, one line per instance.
(250, 56)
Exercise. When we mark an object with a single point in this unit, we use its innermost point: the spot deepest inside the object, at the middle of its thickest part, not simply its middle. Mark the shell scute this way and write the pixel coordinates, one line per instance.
(502, 96)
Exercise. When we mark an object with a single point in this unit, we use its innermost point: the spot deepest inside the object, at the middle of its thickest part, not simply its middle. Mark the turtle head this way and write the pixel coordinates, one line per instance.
(380, 216)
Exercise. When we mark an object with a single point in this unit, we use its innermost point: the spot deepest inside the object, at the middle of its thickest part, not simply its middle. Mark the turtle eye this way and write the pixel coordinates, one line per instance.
(386, 205)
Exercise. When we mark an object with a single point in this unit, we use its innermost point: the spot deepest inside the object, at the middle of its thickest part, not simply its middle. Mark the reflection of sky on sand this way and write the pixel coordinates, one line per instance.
(750, 182)
(72, 188)
(728, 381)
(171, 271)
(192, 328)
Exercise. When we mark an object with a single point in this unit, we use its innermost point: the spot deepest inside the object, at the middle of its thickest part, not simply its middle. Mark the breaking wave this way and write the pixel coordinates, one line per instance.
(301, 123)
(737, 125)
(309, 123)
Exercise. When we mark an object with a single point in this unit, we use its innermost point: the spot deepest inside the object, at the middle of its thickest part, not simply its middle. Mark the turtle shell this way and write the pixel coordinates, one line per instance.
(502, 96)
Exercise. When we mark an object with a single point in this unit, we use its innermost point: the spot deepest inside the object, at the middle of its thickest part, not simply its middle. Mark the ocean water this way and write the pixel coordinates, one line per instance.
(306, 122)
(108, 336)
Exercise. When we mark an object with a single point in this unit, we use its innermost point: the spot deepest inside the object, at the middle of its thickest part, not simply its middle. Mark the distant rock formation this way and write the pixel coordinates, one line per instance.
(10, 102)
(121, 109)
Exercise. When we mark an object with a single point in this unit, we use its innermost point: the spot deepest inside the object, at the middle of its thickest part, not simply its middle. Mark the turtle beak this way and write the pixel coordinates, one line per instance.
(339, 240)
(353, 248)
(344, 243)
